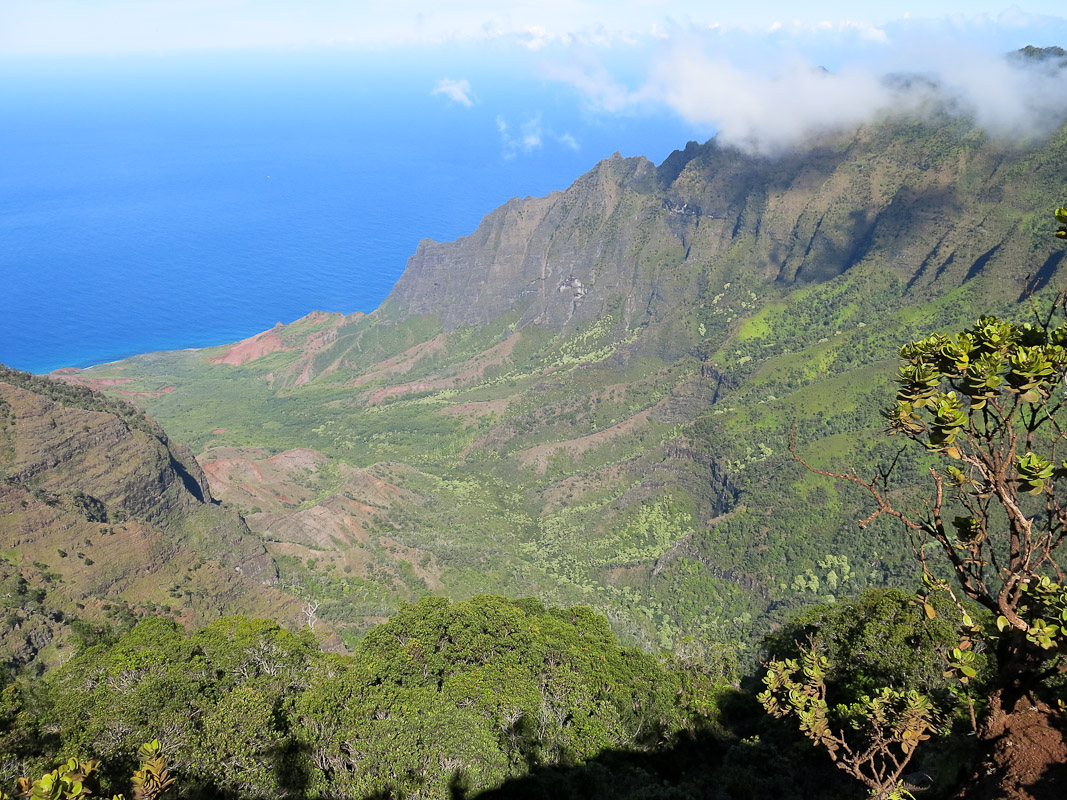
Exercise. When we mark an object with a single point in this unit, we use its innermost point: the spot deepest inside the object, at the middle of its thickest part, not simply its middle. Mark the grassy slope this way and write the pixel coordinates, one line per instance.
(639, 467)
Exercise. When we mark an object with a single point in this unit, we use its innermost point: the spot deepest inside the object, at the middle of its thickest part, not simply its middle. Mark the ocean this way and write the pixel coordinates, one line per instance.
(157, 203)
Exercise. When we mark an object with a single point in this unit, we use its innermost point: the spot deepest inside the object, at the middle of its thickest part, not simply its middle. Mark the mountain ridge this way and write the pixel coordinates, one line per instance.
(104, 519)
(589, 398)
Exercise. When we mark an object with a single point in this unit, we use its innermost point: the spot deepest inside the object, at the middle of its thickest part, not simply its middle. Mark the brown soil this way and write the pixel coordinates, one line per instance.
(315, 342)
(401, 364)
(75, 376)
(539, 455)
(301, 458)
(159, 393)
(335, 530)
(556, 494)
(1027, 760)
(252, 348)
(471, 413)
(471, 371)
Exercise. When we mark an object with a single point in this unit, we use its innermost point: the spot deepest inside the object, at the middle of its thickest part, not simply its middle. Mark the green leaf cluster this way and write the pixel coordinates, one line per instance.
(476, 692)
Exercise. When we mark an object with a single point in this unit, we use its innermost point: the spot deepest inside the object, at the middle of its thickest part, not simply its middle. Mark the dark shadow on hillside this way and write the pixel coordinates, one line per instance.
(291, 767)
(980, 263)
(188, 481)
(699, 768)
(758, 758)
(1044, 275)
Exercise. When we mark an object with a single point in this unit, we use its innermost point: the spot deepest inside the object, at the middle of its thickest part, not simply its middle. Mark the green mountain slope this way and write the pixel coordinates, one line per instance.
(589, 398)
(103, 519)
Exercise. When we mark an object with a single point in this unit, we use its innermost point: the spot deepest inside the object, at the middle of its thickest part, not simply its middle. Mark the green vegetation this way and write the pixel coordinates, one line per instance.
(986, 403)
(491, 698)
(70, 781)
(524, 455)
(467, 694)
(590, 400)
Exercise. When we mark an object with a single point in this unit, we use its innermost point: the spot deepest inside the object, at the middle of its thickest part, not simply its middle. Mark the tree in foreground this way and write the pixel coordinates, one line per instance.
(70, 780)
(852, 652)
(986, 404)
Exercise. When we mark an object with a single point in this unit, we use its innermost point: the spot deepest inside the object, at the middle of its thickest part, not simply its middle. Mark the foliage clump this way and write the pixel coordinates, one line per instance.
(984, 404)
(873, 739)
(469, 694)
(71, 780)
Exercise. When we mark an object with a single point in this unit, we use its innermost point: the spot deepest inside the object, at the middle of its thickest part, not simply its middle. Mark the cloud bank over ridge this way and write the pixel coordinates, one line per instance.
(764, 98)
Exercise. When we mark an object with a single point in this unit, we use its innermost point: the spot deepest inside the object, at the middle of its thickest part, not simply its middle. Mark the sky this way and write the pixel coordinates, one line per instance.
(764, 74)
(111, 26)
(122, 26)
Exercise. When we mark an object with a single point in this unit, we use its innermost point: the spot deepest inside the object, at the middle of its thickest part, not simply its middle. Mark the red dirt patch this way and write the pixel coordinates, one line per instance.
(305, 373)
(402, 363)
(252, 348)
(74, 376)
(159, 393)
(218, 470)
(538, 456)
(217, 431)
(472, 412)
(472, 370)
(300, 458)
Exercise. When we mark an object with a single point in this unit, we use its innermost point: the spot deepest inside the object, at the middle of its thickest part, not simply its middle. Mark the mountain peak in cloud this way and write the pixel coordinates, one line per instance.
(765, 106)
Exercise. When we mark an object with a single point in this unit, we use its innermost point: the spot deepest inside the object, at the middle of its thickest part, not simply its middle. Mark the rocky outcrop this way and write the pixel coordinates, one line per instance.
(63, 449)
(98, 506)
(923, 200)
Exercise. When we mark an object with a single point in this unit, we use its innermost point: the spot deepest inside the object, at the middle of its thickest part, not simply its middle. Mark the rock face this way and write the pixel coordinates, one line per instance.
(63, 441)
(543, 255)
(134, 472)
(922, 200)
(100, 511)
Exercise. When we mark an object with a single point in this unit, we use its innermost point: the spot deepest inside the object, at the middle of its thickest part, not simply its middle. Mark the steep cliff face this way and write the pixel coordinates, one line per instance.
(556, 258)
(922, 200)
(100, 514)
(134, 472)
(106, 457)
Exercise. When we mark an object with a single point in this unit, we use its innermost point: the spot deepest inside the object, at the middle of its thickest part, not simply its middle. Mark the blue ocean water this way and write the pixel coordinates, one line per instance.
(164, 203)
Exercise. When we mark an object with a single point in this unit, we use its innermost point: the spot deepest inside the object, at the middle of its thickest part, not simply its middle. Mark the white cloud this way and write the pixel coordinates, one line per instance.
(456, 91)
(529, 138)
(586, 74)
(113, 26)
(763, 111)
(534, 37)
(568, 141)
(768, 91)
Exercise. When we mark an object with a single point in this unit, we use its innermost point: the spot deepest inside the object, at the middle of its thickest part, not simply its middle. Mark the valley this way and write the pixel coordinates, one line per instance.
(588, 399)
